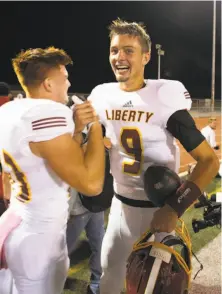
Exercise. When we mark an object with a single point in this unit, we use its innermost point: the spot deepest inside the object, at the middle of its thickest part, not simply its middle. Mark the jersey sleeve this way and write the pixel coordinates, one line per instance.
(173, 96)
(46, 122)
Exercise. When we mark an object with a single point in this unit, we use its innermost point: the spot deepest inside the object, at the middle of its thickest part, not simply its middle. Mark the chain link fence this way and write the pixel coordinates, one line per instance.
(203, 108)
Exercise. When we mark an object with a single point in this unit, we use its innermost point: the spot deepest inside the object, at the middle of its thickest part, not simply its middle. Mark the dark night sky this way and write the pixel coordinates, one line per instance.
(183, 28)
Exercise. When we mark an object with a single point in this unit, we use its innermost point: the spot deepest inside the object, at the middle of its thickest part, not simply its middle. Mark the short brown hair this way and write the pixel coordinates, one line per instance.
(211, 119)
(31, 66)
(121, 27)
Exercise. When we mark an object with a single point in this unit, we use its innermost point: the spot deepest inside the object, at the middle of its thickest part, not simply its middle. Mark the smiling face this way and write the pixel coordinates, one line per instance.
(128, 61)
(58, 84)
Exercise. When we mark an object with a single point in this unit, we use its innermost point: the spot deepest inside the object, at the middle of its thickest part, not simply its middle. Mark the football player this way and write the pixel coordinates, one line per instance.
(142, 118)
(41, 156)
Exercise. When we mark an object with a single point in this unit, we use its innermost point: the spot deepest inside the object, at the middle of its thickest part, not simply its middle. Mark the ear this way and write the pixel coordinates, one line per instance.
(47, 84)
(146, 57)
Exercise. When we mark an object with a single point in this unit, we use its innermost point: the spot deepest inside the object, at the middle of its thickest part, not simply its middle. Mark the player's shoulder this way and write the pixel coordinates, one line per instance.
(43, 107)
(163, 85)
(172, 93)
(102, 94)
(106, 86)
(46, 119)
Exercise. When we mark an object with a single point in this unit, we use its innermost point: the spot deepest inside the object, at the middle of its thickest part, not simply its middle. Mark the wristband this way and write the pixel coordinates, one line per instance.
(185, 195)
(87, 134)
(90, 124)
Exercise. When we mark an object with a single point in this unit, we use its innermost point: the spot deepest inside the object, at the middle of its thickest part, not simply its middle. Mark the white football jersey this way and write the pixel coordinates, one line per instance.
(37, 192)
(209, 135)
(136, 124)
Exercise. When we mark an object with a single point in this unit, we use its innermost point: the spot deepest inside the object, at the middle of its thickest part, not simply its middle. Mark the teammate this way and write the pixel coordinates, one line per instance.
(41, 157)
(142, 118)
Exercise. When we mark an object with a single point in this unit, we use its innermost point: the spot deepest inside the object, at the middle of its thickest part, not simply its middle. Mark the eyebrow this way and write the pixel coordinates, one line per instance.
(127, 46)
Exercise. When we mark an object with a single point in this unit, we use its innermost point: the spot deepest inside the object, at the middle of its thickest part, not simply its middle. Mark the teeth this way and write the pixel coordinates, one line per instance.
(122, 67)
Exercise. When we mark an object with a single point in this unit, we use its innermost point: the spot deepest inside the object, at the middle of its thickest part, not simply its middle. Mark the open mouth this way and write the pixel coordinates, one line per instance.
(122, 69)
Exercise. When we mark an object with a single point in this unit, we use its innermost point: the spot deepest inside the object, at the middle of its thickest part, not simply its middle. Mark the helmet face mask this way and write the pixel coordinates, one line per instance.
(159, 268)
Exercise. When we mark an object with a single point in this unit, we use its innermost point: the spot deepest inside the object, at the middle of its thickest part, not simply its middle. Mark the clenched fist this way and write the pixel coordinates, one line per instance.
(164, 220)
(83, 114)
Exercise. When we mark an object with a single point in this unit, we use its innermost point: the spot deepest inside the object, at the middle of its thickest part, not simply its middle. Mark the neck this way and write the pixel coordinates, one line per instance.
(132, 86)
(35, 94)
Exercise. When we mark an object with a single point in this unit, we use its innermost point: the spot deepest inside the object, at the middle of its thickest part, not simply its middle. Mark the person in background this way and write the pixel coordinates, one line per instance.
(93, 223)
(209, 133)
(5, 94)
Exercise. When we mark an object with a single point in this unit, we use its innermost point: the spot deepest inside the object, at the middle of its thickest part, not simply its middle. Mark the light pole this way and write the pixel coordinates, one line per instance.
(159, 53)
(213, 57)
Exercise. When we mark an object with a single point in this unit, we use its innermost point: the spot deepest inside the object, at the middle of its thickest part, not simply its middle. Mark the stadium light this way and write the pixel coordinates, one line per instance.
(159, 53)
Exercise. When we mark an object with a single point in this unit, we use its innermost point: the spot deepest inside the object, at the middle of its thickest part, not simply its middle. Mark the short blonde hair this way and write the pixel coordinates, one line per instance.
(121, 27)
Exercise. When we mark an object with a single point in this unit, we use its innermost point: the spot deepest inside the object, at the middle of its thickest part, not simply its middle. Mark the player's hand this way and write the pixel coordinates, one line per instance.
(83, 114)
(164, 220)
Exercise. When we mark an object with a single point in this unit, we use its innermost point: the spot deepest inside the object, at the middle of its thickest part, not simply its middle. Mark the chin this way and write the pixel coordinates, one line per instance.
(122, 79)
(64, 99)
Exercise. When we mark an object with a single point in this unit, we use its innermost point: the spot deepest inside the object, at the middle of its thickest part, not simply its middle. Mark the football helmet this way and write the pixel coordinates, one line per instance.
(160, 182)
(160, 268)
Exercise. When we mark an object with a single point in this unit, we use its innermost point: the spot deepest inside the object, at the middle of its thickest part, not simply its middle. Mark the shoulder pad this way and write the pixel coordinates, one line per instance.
(46, 121)
(174, 95)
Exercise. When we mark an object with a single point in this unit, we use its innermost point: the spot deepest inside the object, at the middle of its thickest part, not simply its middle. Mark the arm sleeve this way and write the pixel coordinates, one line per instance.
(182, 126)
(46, 122)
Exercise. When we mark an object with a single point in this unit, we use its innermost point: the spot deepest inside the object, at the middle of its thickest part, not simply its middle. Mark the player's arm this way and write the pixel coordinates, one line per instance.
(182, 126)
(82, 171)
(49, 131)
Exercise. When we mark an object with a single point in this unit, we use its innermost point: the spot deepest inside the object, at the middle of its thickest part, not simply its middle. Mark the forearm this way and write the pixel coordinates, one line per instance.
(94, 157)
(204, 172)
(78, 137)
